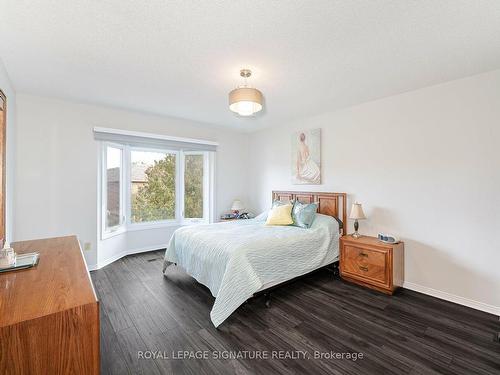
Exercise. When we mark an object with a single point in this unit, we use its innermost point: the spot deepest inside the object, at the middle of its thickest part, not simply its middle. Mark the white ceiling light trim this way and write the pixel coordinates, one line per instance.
(245, 101)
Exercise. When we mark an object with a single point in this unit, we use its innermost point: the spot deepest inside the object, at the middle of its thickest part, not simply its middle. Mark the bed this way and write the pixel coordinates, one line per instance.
(238, 259)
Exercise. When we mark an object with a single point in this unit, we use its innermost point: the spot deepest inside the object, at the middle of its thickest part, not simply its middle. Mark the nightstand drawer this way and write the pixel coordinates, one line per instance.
(366, 256)
(367, 263)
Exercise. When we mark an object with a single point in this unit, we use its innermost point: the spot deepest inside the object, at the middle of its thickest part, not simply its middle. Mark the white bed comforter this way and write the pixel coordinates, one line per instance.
(235, 259)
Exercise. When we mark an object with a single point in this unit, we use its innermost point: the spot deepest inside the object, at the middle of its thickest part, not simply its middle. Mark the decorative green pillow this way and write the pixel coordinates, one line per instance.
(303, 214)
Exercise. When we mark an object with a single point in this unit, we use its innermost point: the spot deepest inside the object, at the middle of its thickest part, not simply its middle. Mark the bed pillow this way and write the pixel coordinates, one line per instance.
(303, 214)
(280, 215)
(262, 216)
(277, 203)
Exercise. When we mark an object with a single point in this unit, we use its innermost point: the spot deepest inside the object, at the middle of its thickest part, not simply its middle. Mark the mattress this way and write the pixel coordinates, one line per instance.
(236, 259)
(279, 281)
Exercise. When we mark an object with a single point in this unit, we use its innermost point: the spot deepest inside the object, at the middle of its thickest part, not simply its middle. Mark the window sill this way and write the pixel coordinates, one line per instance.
(113, 233)
(153, 225)
(149, 226)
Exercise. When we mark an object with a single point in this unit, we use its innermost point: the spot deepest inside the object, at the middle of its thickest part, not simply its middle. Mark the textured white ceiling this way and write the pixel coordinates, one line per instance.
(181, 58)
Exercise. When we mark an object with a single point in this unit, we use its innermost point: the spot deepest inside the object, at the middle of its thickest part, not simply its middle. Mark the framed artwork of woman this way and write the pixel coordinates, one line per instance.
(306, 157)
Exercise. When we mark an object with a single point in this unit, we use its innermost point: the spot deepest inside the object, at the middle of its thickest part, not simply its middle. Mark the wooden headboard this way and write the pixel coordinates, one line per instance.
(328, 203)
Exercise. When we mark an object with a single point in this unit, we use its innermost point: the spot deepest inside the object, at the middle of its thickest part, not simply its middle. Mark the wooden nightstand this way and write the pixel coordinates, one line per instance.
(367, 261)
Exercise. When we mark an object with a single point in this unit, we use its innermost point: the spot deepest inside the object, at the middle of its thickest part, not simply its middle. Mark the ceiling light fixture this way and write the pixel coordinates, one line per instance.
(245, 100)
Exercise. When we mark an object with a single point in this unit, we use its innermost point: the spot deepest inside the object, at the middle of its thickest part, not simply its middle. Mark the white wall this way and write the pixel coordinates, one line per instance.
(426, 166)
(9, 92)
(57, 169)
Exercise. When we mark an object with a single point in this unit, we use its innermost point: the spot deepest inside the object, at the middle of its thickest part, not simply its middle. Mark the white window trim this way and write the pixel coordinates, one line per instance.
(206, 190)
(125, 191)
(121, 227)
(117, 132)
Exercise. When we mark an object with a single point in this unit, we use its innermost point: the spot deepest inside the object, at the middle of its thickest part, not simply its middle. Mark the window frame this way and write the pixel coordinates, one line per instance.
(206, 190)
(155, 223)
(108, 232)
(126, 190)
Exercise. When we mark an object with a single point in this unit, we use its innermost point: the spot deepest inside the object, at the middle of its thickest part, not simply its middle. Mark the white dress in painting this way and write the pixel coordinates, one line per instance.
(308, 171)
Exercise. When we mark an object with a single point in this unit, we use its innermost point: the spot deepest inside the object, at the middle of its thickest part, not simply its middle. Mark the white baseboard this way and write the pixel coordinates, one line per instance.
(495, 310)
(115, 257)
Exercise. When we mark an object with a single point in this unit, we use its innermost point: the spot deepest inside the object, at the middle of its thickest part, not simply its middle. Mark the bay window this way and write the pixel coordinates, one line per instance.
(153, 177)
(195, 178)
(113, 177)
(145, 187)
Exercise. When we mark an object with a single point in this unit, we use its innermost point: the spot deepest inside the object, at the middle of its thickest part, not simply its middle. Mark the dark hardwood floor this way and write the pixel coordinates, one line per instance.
(408, 333)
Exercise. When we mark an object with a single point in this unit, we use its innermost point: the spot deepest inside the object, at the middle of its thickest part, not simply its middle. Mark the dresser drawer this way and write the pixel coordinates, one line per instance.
(369, 264)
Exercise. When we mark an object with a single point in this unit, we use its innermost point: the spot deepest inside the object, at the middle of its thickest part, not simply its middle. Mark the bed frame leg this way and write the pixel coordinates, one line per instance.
(335, 271)
(267, 299)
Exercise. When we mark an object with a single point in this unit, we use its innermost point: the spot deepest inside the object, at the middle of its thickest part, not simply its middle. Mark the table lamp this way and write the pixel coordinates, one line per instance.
(237, 206)
(356, 214)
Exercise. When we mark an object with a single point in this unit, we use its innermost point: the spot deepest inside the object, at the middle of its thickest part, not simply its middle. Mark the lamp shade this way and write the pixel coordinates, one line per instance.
(357, 212)
(237, 205)
(245, 101)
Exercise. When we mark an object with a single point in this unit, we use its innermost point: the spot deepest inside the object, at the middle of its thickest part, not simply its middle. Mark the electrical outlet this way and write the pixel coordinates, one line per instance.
(87, 246)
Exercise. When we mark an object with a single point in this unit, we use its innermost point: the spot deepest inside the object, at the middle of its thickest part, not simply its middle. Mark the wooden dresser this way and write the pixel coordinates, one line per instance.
(371, 263)
(49, 314)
